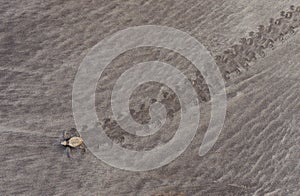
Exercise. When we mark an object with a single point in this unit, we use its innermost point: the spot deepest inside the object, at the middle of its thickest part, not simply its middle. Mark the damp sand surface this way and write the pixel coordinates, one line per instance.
(42, 45)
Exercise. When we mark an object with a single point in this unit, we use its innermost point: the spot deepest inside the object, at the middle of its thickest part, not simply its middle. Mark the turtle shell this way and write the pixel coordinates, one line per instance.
(75, 141)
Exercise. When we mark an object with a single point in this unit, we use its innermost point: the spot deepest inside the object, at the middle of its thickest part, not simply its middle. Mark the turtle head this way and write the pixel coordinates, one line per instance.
(64, 143)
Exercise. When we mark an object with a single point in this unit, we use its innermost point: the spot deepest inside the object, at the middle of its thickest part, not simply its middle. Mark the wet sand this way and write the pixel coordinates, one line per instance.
(42, 46)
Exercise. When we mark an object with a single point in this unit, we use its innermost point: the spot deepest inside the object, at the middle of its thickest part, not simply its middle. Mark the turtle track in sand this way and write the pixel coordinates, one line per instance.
(237, 58)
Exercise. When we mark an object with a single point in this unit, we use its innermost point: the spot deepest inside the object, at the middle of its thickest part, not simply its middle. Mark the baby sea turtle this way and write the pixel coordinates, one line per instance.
(72, 139)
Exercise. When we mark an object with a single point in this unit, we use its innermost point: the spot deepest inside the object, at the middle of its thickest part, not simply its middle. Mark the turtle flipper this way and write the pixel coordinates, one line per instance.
(83, 148)
(74, 132)
(68, 151)
(66, 135)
